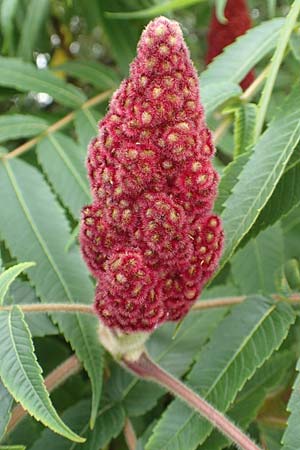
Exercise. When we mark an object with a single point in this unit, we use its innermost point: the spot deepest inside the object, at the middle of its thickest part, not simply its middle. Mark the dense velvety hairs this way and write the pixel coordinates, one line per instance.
(150, 237)
(222, 34)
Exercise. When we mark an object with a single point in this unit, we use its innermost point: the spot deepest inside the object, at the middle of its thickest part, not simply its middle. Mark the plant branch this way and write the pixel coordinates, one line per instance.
(53, 307)
(272, 421)
(251, 90)
(221, 130)
(129, 435)
(245, 97)
(56, 126)
(59, 375)
(220, 302)
(145, 368)
(231, 301)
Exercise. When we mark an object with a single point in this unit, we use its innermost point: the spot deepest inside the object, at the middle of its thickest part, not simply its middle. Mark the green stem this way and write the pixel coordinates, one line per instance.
(275, 64)
(56, 126)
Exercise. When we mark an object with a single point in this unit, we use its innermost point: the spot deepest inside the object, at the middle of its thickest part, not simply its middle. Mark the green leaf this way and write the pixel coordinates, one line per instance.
(39, 324)
(73, 237)
(89, 11)
(276, 61)
(6, 402)
(86, 126)
(295, 43)
(174, 352)
(123, 49)
(220, 8)
(214, 94)
(15, 126)
(26, 77)
(294, 159)
(7, 14)
(291, 228)
(254, 266)
(244, 128)
(34, 227)
(219, 82)
(270, 436)
(252, 331)
(261, 173)
(271, 8)
(63, 161)
(155, 10)
(141, 442)
(291, 437)
(36, 14)
(284, 199)
(9, 275)
(12, 447)
(22, 375)
(289, 276)
(271, 376)
(237, 59)
(109, 423)
(99, 75)
(229, 179)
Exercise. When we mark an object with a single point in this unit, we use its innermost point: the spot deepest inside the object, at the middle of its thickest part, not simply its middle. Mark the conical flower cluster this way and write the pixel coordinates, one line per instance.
(222, 34)
(150, 237)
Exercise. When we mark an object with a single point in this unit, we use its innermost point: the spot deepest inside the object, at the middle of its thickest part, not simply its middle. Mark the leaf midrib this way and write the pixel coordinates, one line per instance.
(24, 125)
(20, 362)
(58, 426)
(68, 163)
(96, 73)
(90, 118)
(64, 91)
(257, 256)
(245, 217)
(53, 265)
(35, 229)
(86, 426)
(238, 73)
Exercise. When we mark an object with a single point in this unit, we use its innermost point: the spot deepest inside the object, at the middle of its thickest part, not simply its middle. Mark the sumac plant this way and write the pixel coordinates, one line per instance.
(149, 225)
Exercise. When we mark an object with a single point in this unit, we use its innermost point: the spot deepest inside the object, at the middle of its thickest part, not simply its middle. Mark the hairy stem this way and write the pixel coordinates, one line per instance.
(56, 126)
(129, 435)
(53, 307)
(230, 301)
(88, 309)
(145, 368)
(59, 375)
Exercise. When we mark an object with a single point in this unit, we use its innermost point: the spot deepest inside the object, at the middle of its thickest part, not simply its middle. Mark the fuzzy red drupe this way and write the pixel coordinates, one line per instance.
(222, 34)
(150, 237)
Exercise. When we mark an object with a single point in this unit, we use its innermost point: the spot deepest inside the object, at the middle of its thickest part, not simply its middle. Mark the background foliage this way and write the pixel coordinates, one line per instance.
(60, 62)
